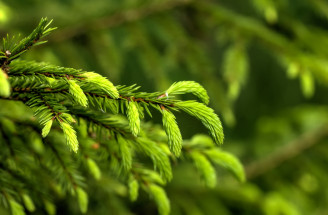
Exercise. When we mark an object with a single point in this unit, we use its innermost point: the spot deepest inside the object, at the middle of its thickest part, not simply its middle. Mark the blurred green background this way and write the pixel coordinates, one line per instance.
(263, 62)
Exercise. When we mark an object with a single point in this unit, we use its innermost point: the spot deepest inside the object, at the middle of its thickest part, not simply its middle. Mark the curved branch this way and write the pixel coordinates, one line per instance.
(291, 150)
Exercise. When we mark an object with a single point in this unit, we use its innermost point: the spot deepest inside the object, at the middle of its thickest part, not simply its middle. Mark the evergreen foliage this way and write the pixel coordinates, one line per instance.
(263, 64)
(102, 126)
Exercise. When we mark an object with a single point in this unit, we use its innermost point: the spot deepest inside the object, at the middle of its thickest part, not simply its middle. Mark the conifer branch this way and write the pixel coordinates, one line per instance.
(68, 174)
(84, 87)
(86, 107)
(11, 49)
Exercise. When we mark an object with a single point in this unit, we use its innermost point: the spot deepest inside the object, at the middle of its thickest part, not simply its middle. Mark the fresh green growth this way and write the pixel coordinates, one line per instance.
(133, 116)
(133, 188)
(82, 197)
(195, 88)
(161, 199)
(77, 93)
(46, 128)
(16, 208)
(102, 83)
(4, 85)
(307, 84)
(235, 66)
(205, 168)
(94, 169)
(228, 161)
(101, 124)
(173, 132)
(29, 205)
(206, 115)
(49, 207)
(205, 155)
(70, 135)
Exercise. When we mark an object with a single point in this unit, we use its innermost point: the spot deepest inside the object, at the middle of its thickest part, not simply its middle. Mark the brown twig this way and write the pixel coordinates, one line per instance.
(287, 152)
(116, 19)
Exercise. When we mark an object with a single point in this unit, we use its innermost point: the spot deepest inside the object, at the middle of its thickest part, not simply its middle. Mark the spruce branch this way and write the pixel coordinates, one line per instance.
(151, 183)
(202, 151)
(92, 113)
(72, 179)
(89, 87)
(11, 49)
(159, 158)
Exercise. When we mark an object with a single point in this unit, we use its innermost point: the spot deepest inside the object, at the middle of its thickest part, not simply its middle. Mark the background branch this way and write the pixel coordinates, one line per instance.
(116, 19)
(287, 152)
